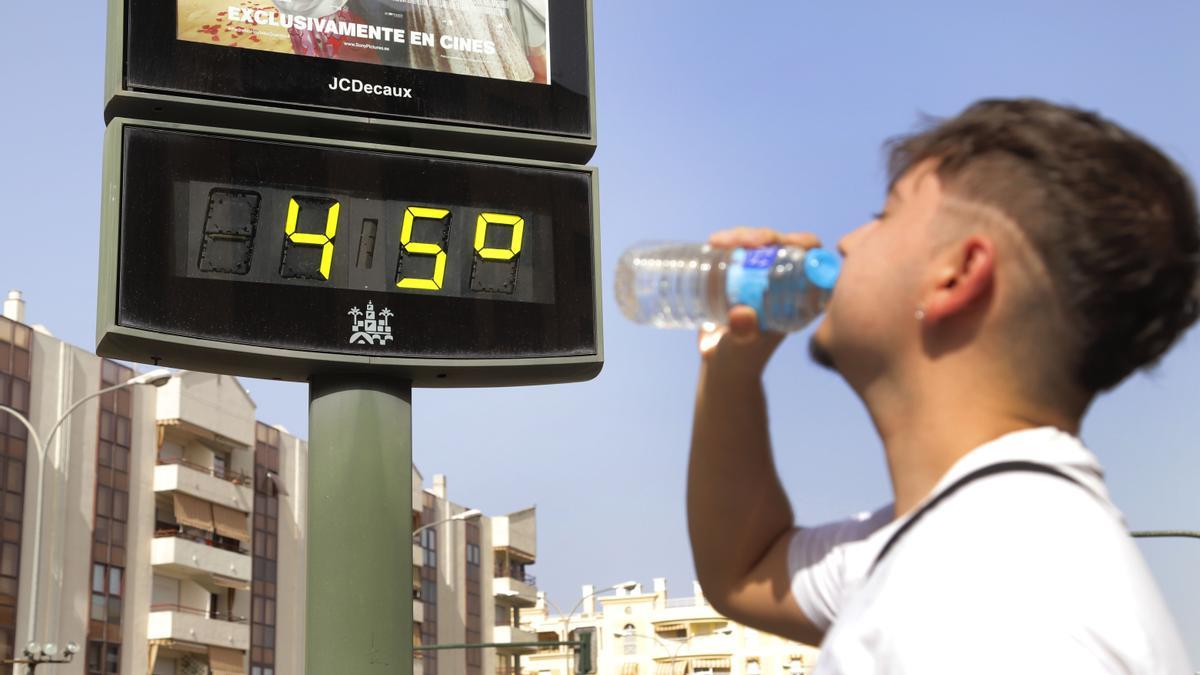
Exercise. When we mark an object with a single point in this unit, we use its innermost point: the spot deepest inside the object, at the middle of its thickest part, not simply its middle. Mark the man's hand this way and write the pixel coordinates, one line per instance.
(740, 347)
(739, 518)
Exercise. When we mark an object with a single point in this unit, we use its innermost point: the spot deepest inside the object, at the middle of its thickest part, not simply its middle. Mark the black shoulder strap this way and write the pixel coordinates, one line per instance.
(1001, 467)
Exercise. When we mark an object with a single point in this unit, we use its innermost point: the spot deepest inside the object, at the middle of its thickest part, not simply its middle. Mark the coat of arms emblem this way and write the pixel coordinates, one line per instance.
(369, 328)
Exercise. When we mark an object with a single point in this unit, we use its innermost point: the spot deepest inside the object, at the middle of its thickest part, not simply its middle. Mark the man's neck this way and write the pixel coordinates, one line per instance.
(926, 432)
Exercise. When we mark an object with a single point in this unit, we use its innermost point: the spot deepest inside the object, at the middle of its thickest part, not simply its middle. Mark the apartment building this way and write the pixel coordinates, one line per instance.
(170, 537)
(159, 529)
(470, 580)
(649, 633)
(228, 535)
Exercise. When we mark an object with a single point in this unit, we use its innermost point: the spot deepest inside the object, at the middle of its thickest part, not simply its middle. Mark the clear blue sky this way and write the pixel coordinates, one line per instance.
(711, 114)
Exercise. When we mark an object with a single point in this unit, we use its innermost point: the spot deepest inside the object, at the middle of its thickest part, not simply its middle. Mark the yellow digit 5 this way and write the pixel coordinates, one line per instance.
(325, 241)
(514, 247)
(411, 247)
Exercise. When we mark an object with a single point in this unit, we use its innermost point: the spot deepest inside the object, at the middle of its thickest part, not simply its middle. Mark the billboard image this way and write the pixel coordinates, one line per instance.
(501, 39)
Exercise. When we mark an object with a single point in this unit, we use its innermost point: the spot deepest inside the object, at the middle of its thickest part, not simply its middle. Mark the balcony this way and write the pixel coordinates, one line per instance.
(214, 409)
(711, 645)
(517, 534)
(513, 591)
(177, 555)
(197, 626)
(418, 611)
(501, 634)
(231, 490)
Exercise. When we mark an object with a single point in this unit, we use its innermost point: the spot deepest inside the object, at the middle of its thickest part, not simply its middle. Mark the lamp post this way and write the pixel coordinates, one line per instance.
(465, 515)
(566, 629)
(1166, 533)
(666, 647)
(36, 655)
(34, 651)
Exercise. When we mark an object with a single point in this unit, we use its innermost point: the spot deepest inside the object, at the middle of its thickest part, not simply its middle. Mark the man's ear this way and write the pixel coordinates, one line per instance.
(962, 276)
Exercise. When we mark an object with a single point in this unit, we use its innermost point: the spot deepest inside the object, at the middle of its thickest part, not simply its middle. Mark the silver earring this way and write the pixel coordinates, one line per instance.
(920, 314)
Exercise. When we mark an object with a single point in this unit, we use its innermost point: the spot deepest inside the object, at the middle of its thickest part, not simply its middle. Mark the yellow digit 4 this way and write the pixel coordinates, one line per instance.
(514, 247)
(325, 241)
(411, 247)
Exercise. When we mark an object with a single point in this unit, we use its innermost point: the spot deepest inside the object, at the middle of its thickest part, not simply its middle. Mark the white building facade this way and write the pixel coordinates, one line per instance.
(649, 633)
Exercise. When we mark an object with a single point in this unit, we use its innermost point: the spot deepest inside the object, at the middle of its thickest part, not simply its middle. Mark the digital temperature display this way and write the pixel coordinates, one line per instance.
(284, 256)
(272, 235)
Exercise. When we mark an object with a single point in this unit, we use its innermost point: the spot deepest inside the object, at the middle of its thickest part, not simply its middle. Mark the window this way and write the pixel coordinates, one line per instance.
(103, 659)
(429, 543)
(10, 559)
(112, 660)
(428, 584)
(107, 589)
(474, 619)
(629, 639)
(95, 664)
(265, 545)
(220, 465)
(429, 591)
(114, 438)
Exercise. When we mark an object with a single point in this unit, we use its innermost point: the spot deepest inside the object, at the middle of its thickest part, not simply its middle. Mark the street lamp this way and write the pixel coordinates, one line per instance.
(154, 378)
(465, 515)
(37, 654)
(1166, 533)
(624, 585)
(627, 633)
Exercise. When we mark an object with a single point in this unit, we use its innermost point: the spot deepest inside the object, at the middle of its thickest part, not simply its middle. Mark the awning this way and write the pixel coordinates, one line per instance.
(230, 523)
(669, 626)
(224, 661)
(193, 512)
(629, 668)
(230, 582)
(181, 646)
(670, 668)
(710, 664)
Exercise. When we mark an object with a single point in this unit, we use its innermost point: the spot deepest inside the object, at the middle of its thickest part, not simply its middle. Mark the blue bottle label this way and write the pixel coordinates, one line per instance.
(747, 277)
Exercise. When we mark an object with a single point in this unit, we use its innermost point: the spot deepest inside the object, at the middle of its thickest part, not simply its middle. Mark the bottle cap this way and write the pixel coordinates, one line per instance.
(822, 267)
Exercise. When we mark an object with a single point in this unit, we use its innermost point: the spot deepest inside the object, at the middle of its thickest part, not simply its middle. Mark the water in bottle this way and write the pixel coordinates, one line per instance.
(680, 285)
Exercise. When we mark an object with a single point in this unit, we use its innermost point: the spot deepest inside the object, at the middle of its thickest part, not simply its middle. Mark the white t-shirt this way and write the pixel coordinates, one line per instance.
(1015, 573)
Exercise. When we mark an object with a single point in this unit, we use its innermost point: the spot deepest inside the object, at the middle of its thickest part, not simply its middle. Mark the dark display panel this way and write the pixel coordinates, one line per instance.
(157, 60)
(264, 234)
(205, 250)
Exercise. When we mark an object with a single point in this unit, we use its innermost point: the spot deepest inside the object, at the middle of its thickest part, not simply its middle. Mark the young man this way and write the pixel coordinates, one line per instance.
(1028, 257)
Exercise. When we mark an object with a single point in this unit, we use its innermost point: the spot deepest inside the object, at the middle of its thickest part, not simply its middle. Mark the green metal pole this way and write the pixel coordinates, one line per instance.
(359, 608)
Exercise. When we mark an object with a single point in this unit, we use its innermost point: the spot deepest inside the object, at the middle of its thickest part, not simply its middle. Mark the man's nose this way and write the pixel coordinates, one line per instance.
(842, 245)
(850, 240)
(847, 241)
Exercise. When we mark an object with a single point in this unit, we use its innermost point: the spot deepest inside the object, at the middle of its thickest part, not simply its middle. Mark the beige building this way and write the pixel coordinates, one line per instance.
(170, 521)
(172, 529)
(649, 633)
(470, 579)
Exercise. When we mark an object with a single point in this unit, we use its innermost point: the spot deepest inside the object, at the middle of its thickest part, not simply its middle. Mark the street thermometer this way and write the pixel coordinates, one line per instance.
(368, 196)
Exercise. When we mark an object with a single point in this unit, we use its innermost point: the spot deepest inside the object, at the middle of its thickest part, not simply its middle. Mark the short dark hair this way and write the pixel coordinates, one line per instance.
(1113, 219)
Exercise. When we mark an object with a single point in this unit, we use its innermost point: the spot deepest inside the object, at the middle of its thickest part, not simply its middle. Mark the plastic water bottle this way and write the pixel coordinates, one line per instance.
(681, 285)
